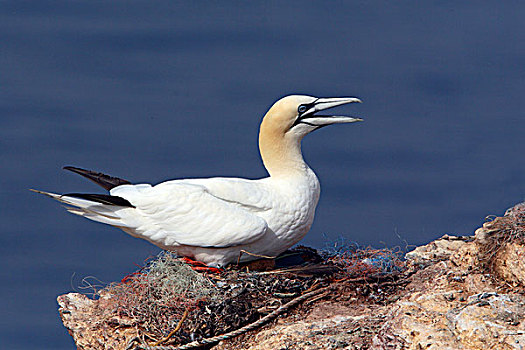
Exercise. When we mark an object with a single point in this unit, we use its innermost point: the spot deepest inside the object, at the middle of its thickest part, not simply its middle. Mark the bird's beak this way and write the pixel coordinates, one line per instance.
(310, 116)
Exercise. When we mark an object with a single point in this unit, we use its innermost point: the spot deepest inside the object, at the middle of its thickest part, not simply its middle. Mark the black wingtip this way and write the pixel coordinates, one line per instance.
(105, 181)
(102, 198)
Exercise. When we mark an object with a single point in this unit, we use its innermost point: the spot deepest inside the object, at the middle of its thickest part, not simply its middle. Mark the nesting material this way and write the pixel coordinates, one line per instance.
(168, 303)
(355, 261)
(158, 294)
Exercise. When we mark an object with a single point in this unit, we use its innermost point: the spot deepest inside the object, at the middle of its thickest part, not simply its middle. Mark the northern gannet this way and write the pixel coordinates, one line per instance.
(214, 220)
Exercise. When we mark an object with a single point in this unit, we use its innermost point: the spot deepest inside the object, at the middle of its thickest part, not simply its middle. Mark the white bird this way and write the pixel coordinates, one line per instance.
(217, 220)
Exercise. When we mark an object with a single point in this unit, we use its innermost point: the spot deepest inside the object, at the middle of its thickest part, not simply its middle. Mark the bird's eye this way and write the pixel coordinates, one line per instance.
(301, 109)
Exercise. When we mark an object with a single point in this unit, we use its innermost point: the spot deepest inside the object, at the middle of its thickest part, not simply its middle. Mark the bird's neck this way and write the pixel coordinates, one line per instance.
(281, 153)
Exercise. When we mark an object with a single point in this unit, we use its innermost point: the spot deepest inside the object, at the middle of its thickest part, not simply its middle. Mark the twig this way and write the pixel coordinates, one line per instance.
(306, 269)
(252, 254)
(175, 330)
(313, 300)
(312, 287)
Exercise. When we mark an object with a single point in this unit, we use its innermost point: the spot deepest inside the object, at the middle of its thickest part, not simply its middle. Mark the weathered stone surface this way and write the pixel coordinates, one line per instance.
(450, 301)
(438, 250)
(448, 318)
(510, 264)
(90, 326)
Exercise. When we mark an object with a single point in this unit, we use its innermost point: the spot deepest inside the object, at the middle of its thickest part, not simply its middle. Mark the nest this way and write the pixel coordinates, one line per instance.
(171, 304)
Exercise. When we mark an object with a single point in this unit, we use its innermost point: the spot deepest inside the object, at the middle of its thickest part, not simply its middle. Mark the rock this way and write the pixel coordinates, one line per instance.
(446, 318)
(90, 326)
(490, 320)
(510, 264)
(449, 298)
(438, 250)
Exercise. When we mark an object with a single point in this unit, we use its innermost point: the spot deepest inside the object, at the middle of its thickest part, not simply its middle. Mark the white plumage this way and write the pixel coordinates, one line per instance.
(213, 220)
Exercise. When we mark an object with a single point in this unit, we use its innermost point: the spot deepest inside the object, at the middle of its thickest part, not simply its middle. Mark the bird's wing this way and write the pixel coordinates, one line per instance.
(251, 195)
(184, 213)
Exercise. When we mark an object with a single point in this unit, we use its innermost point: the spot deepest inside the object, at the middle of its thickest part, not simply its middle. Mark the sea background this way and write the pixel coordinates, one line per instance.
(156, 90)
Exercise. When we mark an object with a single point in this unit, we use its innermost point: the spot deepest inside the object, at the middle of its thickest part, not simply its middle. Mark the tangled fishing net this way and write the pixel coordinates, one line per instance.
(355, 261)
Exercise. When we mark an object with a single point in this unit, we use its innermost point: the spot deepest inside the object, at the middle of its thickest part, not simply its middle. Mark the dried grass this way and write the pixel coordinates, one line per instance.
(509, 228)
(158, 294)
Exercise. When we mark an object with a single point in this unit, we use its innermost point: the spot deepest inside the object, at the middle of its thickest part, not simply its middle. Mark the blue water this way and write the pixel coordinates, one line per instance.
(150, 91)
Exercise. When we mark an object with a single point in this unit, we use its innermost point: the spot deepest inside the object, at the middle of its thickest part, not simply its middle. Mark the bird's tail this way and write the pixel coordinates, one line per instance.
(96, 207)
(106, 181)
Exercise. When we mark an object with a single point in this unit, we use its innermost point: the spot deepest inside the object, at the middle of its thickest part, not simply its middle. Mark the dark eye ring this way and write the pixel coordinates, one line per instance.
(301, 109)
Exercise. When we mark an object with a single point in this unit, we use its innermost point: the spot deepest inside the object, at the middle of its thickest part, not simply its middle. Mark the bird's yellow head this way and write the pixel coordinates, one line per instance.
(289, 120)
(297, 114)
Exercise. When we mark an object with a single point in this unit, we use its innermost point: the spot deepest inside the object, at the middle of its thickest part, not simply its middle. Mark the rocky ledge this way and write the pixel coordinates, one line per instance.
(457, 292)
